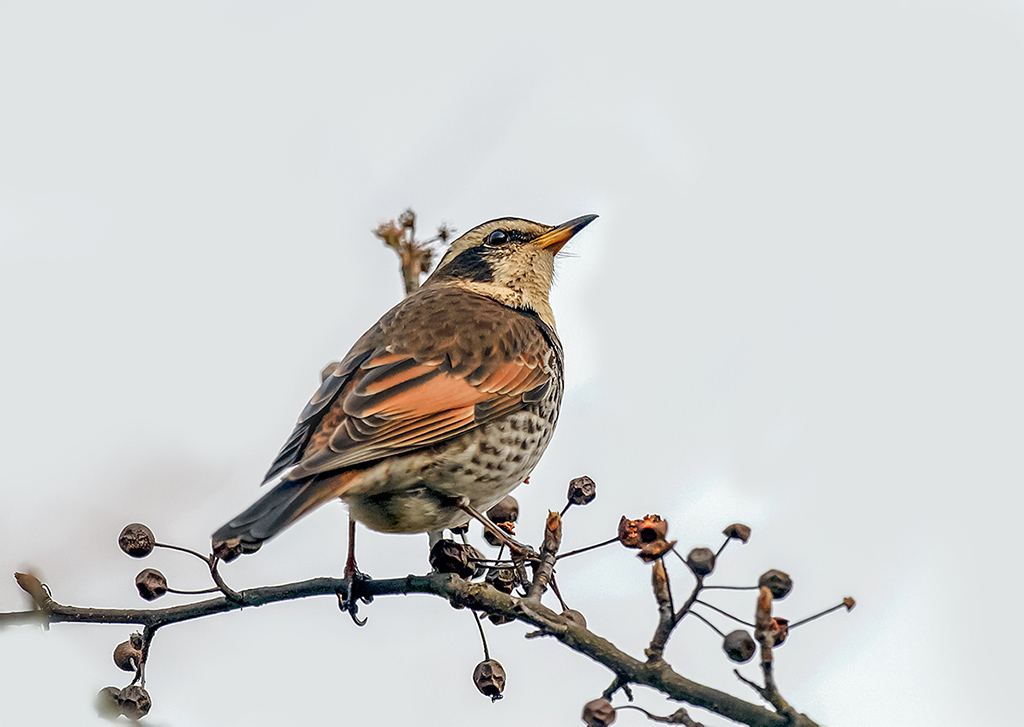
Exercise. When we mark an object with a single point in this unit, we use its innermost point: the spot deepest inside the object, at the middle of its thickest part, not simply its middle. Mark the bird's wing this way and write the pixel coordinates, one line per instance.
(439, 364)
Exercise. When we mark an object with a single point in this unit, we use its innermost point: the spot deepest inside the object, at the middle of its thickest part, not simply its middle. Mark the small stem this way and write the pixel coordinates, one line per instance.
(619, 683)
(214, 589)
(492, 561)
(558, 595)
(589, 547)
(680, 556)
(731, 588)
(817, 615)
(204, 558)
(725, 613)
(147, 638)
(722, 548)
(221, 585)
(711, 625)
(680, 716)
(483, 639)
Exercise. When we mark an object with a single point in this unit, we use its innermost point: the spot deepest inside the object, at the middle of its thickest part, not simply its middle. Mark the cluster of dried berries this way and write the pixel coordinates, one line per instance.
(648, 535)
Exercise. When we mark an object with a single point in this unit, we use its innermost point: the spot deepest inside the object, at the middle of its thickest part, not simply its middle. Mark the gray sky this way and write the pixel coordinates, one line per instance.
(800, 309)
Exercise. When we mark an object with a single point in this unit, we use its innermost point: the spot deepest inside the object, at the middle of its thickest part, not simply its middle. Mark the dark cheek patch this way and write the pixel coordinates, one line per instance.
(471, 264)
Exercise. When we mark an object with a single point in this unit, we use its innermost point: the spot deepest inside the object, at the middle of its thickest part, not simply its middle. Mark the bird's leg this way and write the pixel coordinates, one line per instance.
(354, 579)
(517, 549)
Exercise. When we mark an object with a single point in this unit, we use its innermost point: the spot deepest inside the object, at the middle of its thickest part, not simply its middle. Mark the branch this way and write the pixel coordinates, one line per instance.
(459, 592)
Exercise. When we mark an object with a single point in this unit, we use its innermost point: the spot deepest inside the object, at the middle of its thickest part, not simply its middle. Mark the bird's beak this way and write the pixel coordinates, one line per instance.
(554, 239)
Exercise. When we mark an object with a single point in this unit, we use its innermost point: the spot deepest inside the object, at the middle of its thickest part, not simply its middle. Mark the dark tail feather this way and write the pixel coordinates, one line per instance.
(272, 513)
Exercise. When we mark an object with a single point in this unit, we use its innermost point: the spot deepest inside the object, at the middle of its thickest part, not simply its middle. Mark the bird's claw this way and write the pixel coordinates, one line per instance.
(355, 591)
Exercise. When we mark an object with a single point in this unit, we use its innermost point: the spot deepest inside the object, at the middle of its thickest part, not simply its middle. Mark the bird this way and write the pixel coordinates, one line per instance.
(440, 409)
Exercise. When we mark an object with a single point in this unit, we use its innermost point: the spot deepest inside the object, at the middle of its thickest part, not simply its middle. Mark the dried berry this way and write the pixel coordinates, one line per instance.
(739, 646)
(106, 703)
(655, 549)
(575, 616)
(506, 511)
(849, 603)
(737, 531)
(503, 579)
(652, 528)
(598, 713)
(489, 677)
(227, 552)
(447, 556)
(629, 532)
(777, 582)
(701, 561)
(134, 702)
(136, 540)
(491, 538)
(127, 657)
(582, 490)
(151, 584)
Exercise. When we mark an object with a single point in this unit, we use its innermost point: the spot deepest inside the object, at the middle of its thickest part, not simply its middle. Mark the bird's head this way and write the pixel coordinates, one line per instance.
(510, 260)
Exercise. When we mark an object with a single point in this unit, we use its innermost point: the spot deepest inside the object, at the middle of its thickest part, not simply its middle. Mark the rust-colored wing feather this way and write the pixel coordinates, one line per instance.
(425, 373)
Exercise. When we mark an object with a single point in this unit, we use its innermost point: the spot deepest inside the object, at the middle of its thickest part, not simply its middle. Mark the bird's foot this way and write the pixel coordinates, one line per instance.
(354, 591)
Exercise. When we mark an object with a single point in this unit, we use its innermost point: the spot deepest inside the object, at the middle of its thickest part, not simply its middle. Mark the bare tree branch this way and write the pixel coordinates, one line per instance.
(459, 592)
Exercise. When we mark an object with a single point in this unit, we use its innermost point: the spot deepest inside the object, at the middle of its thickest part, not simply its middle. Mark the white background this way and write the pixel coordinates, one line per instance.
(800, 309)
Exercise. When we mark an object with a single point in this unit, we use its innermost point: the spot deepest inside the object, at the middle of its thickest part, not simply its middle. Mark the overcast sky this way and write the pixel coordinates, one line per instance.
(799, 309)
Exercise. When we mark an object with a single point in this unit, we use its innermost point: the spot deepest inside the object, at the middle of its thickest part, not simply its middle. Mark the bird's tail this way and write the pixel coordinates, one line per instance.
(281, 506)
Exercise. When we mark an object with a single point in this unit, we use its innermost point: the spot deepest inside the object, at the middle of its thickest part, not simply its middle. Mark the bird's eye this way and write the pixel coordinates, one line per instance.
(498, 237)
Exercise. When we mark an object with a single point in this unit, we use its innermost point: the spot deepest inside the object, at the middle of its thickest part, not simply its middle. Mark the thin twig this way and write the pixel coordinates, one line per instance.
(589, 547)
(731, 588)
(827, 611)
(724, 613)
(204, 558)
(221, 585)
(680, 716)
(722, 548)
(710, 625)
(483, 639)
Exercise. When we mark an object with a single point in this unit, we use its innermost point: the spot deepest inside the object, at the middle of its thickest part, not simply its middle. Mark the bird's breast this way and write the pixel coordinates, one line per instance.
(418, 492)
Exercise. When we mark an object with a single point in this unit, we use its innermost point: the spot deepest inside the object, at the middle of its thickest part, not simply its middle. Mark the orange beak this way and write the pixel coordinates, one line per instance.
(554, 239)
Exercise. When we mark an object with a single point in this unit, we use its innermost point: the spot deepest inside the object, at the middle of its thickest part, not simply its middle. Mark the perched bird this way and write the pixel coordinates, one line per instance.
(442, 408)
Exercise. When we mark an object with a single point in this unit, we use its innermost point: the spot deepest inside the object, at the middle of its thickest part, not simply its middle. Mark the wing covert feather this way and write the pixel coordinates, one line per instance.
(440, 363)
